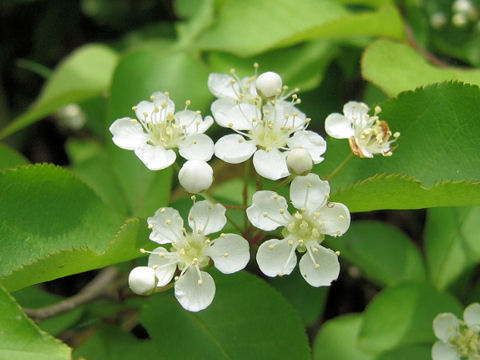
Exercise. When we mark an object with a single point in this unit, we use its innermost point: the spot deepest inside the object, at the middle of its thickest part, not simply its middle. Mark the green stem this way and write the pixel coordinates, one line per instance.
(165, 288)
(246, 176)
(339, 167)
(283, 182)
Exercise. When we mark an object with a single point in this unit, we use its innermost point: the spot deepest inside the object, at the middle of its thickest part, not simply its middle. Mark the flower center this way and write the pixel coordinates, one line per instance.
(305, 228)
(467, 343)
(192, 250)
(164, 132)
(268, 135)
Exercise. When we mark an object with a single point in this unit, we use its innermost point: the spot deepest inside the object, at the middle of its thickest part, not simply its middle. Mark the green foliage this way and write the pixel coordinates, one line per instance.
(239, 324)
(410, 352)
(21, 339)
(10, 158)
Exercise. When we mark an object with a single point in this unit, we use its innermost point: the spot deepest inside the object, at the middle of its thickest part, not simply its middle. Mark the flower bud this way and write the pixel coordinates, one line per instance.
(269, 84)
(142, 280)
(195, 176)
(299, 161)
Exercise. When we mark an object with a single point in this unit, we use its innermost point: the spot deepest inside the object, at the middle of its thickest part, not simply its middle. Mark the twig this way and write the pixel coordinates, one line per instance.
(101, 285)
(414, 44)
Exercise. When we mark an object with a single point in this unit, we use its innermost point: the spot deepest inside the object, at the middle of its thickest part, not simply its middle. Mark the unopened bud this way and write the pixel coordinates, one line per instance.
(142, 280)
(195, 176)
(269, 83)
(299, 161)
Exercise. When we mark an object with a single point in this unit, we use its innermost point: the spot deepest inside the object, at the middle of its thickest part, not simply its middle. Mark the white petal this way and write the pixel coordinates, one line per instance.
(471, 315)
(162, 101)
(276, 257)
(192, 123)
(195, 293)
(445, 325)
(285, 114)
(309, 192)
(324, 270)
(310, 141)
(355, 111)
(221, 86)
(207, 217)
(335, 218)
(228, 113)
(270, 164)
(196, 147)
(166, 225)
(268, 210)
(128, 134)
(144, 110)
(230, 253)
(141, 280)
(155, 157)
(443, 351)
(234, 149)
(164, 264)
(338, 126)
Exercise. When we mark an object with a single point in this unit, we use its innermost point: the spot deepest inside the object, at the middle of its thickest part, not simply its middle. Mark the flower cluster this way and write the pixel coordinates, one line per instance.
(457, 339)
(269, 128)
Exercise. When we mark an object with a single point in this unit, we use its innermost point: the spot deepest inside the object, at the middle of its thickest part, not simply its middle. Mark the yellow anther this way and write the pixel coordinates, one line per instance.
(166, 93)
(290, 242)
(271, 246)
(337, 252)
(145, 114)
(396, 134)
(168, 221)
(176, 278)
(155, 267)
(341, 217)
(156, 109)
(378, 109)
(255, 65)
(275, 196)
(282, 211)
(309, 184)
(225, 255)
(316, 214)
(193, 197)
(150, 226)
(230, 125)
(200, 281)
(163, 105)
(301, 242)
(188, 102)
(222, 235)
(315, 250)
(207, 241)
(265, 214)
(281, 274)
(317, 266)
(298, 216)
(143, 251)
(134, 108)
(338, 232)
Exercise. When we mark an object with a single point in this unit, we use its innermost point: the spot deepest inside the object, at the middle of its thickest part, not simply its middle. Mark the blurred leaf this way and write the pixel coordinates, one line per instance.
(396, 67)
(111, 343)
(337, 339)
(200, 14)
(9, 158)
(247, 320)
(436, 163)
(84, 74)
(452, 243)
(410, 352)
(21, 339)
(403, 315)
(54, 225)
(309, 301)
(385, 254)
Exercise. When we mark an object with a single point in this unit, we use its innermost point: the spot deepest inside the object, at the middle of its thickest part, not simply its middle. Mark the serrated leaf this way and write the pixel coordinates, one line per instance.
(383, 253)
(436, 154)
(21, 339)
(84, 74)
(53, 225)
(396, 67)
(337, 339)
(247, 320)
(9, 158)
(403, 315)
(451, 243)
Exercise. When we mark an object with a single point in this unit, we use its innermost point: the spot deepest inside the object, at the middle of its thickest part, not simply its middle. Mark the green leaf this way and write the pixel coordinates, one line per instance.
(337, 339)
(268, 22)
(309, 301)
(435, 164)
(451, 243)
(114, 344)
(385, 254)
(247, 320)
(84, 74)
(9, 158)
(403, 315)
(21, 339)
(396, 67)
(53, 225)
(410, 352)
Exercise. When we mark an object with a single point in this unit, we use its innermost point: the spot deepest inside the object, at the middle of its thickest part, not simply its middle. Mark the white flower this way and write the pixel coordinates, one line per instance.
(195, 176)
(366, 134)
(158, 131)
(141, 280)
(191, 251)
(266, 128)
(457, 339)
(303, 231)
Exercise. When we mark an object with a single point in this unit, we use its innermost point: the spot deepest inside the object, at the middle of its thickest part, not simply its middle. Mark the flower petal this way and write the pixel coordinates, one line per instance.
(443, 351)
(270, 164)
(283, 113)
(268, 210)
(309, 192)
(221, 85)
(234, 149)
(355, 111)
(277, 257)
(338, 126)
(195, 293)
(228, 113)
(445, 325)
(191, 122)
(322, 269)
(196, 147)
(471, 315)
(310, 141)
(164, 264)
(335, 218)
(230, 253)
(144, 110)
(206, 217)
(155, 157)
(166, 225)
(163, 101)
(128, 134)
